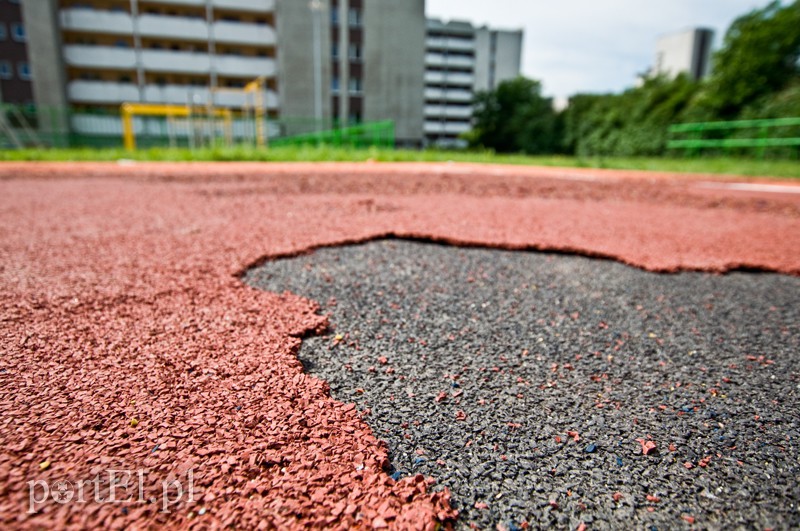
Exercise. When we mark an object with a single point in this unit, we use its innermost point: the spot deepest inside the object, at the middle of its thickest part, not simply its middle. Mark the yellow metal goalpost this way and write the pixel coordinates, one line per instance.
(253, 93)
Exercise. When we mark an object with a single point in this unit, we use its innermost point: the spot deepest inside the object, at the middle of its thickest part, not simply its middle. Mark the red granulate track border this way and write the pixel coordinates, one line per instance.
(129, 342)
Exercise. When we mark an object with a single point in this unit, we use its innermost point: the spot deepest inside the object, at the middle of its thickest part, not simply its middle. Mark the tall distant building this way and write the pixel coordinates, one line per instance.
(688, 52)
(460, 60)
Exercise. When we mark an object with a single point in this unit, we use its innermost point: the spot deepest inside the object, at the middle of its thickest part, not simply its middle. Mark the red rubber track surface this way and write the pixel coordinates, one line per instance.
(121, 305)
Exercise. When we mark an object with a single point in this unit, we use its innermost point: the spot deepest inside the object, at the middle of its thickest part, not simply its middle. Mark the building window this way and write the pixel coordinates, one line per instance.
(354, 52)
(5, 70)
(3, 32)
(334, 17)
(354, 17)
(354, 85)
(335, 84)
(18, 32)
(24, 71)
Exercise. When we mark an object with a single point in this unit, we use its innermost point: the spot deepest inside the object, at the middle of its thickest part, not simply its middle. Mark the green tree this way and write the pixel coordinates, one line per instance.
(632, 123)
(759, 57)
(515, 118)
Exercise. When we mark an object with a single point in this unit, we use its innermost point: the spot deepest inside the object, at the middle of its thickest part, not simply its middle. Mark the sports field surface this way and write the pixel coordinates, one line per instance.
(132, 344)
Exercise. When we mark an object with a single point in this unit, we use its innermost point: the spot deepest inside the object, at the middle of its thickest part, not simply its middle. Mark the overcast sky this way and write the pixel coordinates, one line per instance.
(592, 45)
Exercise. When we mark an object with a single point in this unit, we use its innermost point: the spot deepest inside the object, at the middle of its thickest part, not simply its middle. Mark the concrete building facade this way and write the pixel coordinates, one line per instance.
(687, 52)
(15, 73)
(324, 62)
(498, 56)
(106, 52)
(461, 60)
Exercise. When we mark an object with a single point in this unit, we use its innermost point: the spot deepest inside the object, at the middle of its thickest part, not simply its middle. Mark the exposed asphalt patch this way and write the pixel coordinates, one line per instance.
(532, 384)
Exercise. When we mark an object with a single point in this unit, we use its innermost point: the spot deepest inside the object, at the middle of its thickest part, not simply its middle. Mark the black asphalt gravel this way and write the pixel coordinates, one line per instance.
(522, 382)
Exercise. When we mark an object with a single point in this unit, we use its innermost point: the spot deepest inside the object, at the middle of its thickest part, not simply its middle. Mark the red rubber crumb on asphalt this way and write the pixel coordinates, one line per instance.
(648, 447)
(130, 344)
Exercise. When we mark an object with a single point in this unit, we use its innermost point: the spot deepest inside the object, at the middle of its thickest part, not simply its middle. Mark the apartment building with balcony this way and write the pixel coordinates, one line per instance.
(100, 53)
(460, 60)
(324, 61)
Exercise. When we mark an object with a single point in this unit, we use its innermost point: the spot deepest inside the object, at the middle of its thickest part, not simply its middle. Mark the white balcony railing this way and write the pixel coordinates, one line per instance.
(449, 78)
(437, 59)
(99, 57)
(195, 29)
(450, 111)
(106, 92)
(149, 25)
(261, 6)
(250, 67)
(198, 30)
(239, 32)
(111, 126)
(109, 57)
(454, 128)
(225, 98)
(79, 91)
(255, 6)
(172, 61)
(184, 94)
(458, 95)
(91, 20)
(440, 43)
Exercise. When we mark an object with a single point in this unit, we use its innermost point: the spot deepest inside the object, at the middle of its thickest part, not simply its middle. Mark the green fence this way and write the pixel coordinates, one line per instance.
(27, 126)
(779, 137)
(373, 134)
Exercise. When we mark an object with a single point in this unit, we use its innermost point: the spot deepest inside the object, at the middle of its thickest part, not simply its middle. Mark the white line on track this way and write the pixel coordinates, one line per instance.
(754, 187)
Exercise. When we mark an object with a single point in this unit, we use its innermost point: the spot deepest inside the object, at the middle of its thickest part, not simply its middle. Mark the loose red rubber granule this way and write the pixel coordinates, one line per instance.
(130, 344)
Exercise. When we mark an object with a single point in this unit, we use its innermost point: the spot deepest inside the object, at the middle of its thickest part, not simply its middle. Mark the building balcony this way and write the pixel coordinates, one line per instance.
(455, 95)
(101, 92)
(105, 92)
(108, 57)
(251, 6)
(442, 60)
(111, 126)
(197, 29)
(228, 98)
(97, 21)
(440, 43)
(451, 128)
(449, 111)
(176, 62)
(242, 33)
(262, 6)
(246, 67)
(194, 29)
(184, 94)
(449, 78)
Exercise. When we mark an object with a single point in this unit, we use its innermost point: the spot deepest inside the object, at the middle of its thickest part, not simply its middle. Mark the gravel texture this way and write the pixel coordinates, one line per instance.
(551, 390)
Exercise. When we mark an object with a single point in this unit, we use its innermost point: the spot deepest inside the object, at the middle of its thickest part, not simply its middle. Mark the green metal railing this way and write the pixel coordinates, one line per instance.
(740, 135)
(372, 134)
